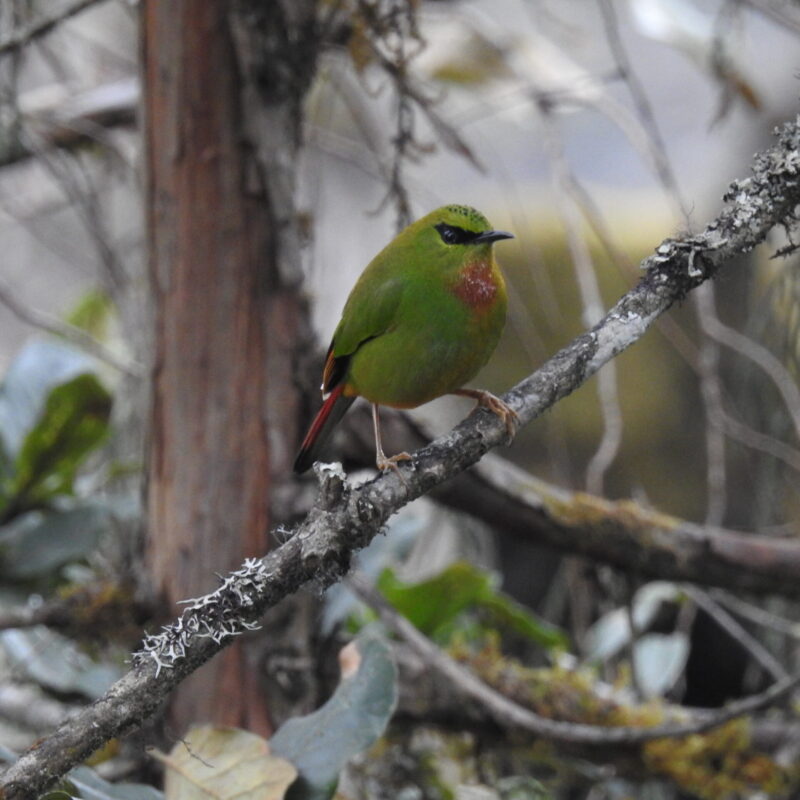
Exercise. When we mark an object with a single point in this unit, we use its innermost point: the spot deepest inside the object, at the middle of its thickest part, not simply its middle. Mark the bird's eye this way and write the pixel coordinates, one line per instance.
(452, 235)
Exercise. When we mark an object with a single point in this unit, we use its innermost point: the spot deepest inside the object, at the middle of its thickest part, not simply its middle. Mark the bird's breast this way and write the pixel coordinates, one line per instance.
(477, 285)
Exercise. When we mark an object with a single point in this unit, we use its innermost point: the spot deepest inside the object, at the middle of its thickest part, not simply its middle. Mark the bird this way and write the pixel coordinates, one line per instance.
(422, 319)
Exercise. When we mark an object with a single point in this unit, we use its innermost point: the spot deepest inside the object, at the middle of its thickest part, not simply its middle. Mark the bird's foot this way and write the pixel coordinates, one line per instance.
(383, 463)
(496, 406)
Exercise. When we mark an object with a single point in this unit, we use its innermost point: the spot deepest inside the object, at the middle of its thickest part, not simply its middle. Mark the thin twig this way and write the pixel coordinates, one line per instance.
(658, 148)
(770, 9)
(711, 390)
(762, 358)
(511, 714)
(759, 653)
(84, 200)
(635, 635)
(43, 25)
(759, 441)
(592, 301)
(80, 338)
(756, 614)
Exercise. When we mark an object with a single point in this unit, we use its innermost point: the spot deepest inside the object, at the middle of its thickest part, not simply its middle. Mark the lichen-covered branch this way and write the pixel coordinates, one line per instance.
(624, 533)
(346, 518)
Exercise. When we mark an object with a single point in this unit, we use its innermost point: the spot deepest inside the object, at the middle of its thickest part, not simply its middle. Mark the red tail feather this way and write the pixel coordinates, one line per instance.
(333, 409)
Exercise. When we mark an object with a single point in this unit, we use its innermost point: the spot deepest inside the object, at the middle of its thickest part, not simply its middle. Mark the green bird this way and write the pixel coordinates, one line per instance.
(423, 318)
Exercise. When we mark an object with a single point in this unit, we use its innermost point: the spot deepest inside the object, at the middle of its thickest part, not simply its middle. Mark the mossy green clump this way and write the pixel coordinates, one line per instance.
(555, 692)
(102, 610)
(717, 765)
(592, 511)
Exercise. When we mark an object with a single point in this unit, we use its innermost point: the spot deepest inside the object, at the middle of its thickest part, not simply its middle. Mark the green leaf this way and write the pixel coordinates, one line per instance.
(41, 365)
(92, 313)
(353, 719)
(512, 615)
(224, 763)
(35, 544)
(74, 422)
(434, 605)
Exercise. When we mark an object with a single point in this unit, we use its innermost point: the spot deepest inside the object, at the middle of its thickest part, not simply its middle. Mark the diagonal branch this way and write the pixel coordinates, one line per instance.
(624, 533)
(510, 714)
(346, 518)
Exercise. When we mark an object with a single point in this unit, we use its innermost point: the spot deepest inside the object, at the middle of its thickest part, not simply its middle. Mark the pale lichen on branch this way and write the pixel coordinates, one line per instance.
(218, 615)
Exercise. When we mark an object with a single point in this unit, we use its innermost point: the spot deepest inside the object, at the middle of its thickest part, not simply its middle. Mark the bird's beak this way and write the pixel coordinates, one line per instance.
(492, 236)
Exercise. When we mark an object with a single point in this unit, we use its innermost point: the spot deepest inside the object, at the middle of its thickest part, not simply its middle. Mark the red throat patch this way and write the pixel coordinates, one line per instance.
(476, 286)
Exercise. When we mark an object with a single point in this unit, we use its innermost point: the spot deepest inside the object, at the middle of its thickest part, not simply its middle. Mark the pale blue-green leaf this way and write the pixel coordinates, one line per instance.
(53, 661)
(659, 660)
(611, 632)
(90, 786)
(648, 600)
(321, 743)
(37, 543)
(607, 636)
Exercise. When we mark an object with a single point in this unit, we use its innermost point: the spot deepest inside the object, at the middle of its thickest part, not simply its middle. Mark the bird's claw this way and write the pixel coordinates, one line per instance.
(383, 463)
(502, 410)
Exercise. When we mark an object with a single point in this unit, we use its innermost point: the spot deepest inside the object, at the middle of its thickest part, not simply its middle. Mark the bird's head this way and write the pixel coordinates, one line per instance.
(460, 228)
(444, 241)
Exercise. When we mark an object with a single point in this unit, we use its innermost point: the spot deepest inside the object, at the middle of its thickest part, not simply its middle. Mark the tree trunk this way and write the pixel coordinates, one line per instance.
(228, 319)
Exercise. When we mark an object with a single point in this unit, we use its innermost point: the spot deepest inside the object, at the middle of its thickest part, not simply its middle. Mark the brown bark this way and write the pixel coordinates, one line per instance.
(224, 407)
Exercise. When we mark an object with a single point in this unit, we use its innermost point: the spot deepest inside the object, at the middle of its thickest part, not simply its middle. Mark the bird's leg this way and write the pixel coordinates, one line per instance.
(495, 405)
(381, 461)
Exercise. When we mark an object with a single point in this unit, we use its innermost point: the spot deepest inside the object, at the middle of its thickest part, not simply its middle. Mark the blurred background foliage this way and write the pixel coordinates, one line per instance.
(592, 130)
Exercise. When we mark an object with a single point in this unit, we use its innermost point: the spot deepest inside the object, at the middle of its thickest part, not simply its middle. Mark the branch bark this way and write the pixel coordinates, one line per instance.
(346, 518)
(623, 533)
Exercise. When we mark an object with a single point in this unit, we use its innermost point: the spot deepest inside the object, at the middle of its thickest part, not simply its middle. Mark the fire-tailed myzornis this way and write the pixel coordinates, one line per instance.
(422, 319)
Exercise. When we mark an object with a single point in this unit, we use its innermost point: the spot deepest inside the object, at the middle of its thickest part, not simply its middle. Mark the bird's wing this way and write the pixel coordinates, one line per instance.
(370, 311)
